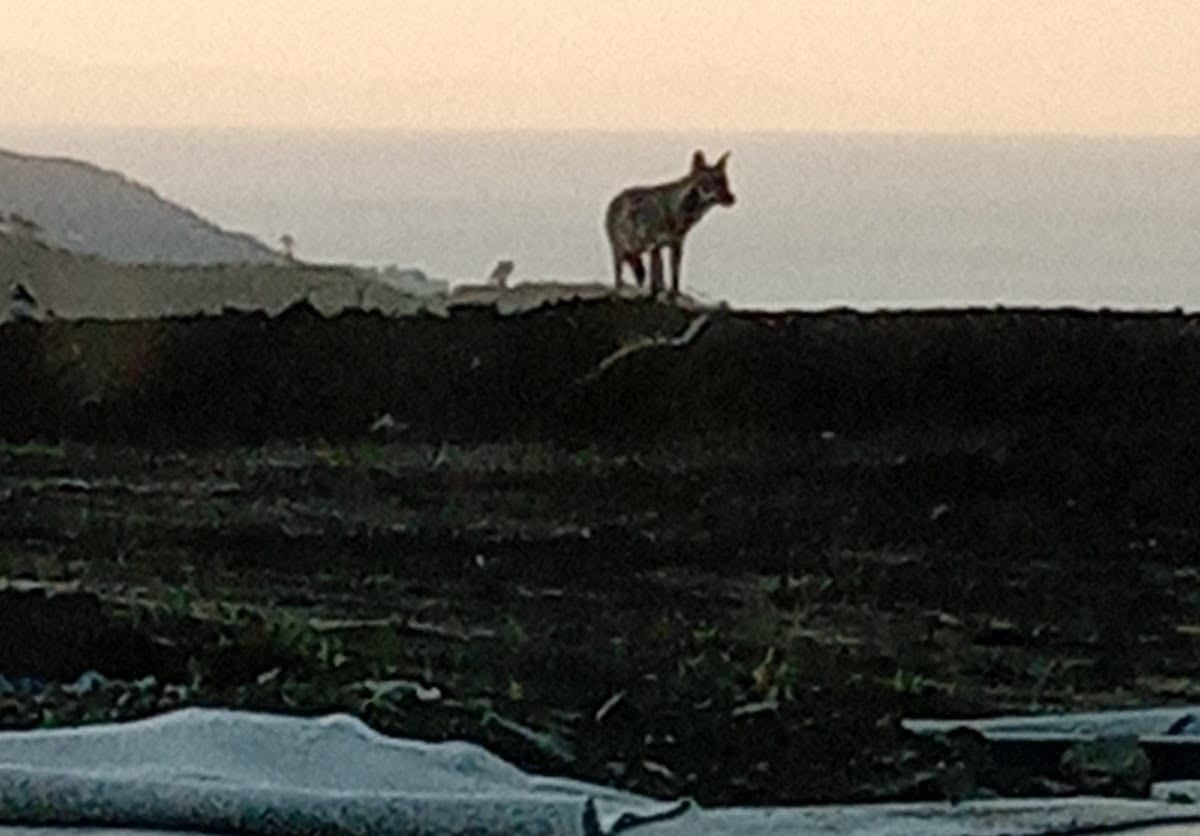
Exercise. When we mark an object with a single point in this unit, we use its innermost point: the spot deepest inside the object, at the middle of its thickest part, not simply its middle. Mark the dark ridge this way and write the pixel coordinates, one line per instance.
(481, 376)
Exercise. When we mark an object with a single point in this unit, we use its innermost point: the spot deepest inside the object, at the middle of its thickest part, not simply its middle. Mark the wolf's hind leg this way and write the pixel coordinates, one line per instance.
(656, 271)
(639, 269)
(676, 260)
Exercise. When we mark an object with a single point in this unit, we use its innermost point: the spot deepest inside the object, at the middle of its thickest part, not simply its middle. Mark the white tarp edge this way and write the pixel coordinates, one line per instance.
(217, 770)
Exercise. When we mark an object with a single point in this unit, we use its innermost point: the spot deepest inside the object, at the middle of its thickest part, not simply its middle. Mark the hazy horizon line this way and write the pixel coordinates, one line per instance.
(595, 131)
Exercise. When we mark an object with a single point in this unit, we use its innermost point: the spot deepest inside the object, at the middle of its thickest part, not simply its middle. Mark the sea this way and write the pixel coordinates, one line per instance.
(821, 220)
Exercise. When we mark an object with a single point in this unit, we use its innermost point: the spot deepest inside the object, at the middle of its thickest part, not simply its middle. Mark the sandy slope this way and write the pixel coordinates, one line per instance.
(70, 286)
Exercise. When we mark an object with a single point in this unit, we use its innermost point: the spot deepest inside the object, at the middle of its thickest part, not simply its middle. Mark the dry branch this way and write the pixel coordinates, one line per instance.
(687, 337)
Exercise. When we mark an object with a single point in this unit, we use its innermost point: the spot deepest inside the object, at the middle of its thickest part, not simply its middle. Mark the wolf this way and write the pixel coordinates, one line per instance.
(645, 219)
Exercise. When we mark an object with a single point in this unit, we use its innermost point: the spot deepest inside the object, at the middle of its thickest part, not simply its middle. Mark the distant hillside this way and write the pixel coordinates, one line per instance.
(84, 209)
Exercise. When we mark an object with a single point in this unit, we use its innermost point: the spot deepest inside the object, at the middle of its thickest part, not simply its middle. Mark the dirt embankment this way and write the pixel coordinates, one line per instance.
(481, 376)
(722, 568)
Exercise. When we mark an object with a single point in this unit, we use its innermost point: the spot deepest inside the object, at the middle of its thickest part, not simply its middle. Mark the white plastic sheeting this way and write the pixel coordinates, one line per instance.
(216, 771)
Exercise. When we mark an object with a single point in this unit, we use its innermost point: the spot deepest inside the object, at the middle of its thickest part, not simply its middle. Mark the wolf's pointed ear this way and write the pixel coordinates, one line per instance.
(698, 161)
(721, 162)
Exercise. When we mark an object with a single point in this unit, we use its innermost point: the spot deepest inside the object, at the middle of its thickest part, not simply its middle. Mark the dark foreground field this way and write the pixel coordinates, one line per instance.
(724, 569)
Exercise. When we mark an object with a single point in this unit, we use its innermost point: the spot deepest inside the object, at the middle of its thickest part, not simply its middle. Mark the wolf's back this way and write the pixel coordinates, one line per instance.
(634, 219)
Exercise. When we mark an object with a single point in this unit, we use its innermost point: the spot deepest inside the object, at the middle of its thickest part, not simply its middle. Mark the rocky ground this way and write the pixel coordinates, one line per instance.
(724, 567)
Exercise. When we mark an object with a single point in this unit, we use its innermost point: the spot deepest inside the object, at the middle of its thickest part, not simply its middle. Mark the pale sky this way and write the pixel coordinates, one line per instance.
(946, 66)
